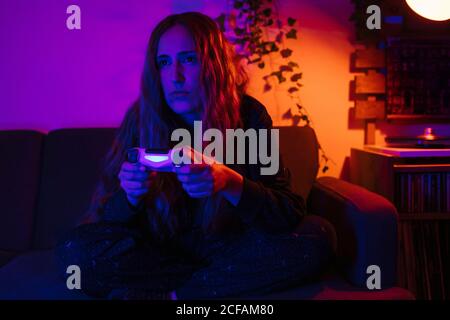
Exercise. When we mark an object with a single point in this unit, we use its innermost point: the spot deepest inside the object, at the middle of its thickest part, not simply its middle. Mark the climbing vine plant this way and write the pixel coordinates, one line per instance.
(260, 37)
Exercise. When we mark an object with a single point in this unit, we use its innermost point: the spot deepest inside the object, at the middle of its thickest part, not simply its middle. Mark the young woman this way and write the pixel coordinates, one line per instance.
(204, 230)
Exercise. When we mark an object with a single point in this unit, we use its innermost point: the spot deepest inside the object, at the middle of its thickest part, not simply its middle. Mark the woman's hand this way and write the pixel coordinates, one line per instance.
(135, 180)
(205, 179)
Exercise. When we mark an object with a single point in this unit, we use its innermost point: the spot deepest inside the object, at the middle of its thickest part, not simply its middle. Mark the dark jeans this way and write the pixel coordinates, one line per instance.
(113, 257)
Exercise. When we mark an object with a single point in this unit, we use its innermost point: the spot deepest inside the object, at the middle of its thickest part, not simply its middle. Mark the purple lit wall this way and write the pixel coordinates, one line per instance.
(52, 77)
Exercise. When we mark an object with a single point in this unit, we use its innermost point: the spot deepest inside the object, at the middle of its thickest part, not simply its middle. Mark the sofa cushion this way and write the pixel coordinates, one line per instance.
(71, 170)
(300, 151)
(19, 171)
(6, 256)
(34, 275)
(333, 287)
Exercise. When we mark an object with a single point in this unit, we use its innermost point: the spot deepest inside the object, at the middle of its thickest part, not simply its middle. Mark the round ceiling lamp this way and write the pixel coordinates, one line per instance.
(437, 10)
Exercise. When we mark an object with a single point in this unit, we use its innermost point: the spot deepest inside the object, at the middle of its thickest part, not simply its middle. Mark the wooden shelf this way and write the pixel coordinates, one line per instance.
(422, 167)
(404, 216)
(413, 184)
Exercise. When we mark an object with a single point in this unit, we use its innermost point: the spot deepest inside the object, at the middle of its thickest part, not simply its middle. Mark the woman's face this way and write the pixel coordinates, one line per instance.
(179, 69)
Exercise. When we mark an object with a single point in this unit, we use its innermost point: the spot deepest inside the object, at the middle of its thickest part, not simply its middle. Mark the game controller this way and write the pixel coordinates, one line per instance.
(155, 159)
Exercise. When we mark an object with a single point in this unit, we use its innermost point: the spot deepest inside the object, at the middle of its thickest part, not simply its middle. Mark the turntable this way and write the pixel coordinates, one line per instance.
(427, 140)
(426, 145)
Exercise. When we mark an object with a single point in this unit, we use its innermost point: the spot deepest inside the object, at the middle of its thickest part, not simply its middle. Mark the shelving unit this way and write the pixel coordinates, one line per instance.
(418, 77)
(418, 184)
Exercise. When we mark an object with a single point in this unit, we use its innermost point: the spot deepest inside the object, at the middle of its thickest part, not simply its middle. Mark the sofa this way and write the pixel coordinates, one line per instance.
(47, 180)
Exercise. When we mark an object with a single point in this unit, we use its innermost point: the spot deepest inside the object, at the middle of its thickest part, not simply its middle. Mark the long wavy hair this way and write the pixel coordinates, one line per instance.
(150, 122)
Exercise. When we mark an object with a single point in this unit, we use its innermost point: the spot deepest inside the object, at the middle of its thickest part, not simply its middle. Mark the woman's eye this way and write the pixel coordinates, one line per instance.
(163, 63)
(190, 59)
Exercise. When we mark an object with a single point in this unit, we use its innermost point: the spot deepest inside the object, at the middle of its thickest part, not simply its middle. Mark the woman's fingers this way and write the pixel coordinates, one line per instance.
(132, 167)
(190, 168)
(135, 180)
(203, 187)
(193, 173)
(194, 178)
(133, 176)
(136, 175)
(132, 185)
(137, 192)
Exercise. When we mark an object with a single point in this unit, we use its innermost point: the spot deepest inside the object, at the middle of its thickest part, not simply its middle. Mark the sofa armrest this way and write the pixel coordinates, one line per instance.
(366, 228)
(6, 256)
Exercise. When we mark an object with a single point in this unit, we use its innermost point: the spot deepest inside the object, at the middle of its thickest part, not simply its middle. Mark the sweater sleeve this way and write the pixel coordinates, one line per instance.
(268, 201)
(119, 209)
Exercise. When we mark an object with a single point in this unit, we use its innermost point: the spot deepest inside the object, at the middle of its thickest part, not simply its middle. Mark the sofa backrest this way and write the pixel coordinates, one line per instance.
(20, 161)
(300, 151)
(69, 175)
(70, 165)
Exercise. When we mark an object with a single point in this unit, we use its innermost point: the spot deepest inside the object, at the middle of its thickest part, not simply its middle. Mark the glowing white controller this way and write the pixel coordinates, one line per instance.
(155, 159)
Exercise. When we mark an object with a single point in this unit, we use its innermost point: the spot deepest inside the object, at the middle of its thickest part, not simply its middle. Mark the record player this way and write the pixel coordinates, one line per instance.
(427, 140)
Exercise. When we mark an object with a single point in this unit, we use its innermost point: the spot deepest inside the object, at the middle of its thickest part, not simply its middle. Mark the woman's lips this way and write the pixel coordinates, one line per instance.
(177, 94)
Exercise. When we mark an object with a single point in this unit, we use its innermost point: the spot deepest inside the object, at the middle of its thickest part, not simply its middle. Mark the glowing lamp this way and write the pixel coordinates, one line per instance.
(437, 10)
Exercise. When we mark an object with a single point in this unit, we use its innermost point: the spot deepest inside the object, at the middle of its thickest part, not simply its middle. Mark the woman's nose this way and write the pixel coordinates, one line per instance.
(178, 72)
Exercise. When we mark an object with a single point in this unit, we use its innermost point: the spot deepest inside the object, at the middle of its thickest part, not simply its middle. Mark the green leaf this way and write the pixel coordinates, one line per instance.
(286, 53)
(279, 37)
(291, 21)
(239, 41)
(267, 87)
(254, 5)
(279, 76)
(296, 77)
(285, 68)
(221, 22)
(239, 31)
(276, 73)
(292, 89)
(279, 24)
(274, 47)
(238, 4)
(292, 34)
(287, 114)
(267, 12)
(255, 60)
(262, 44)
